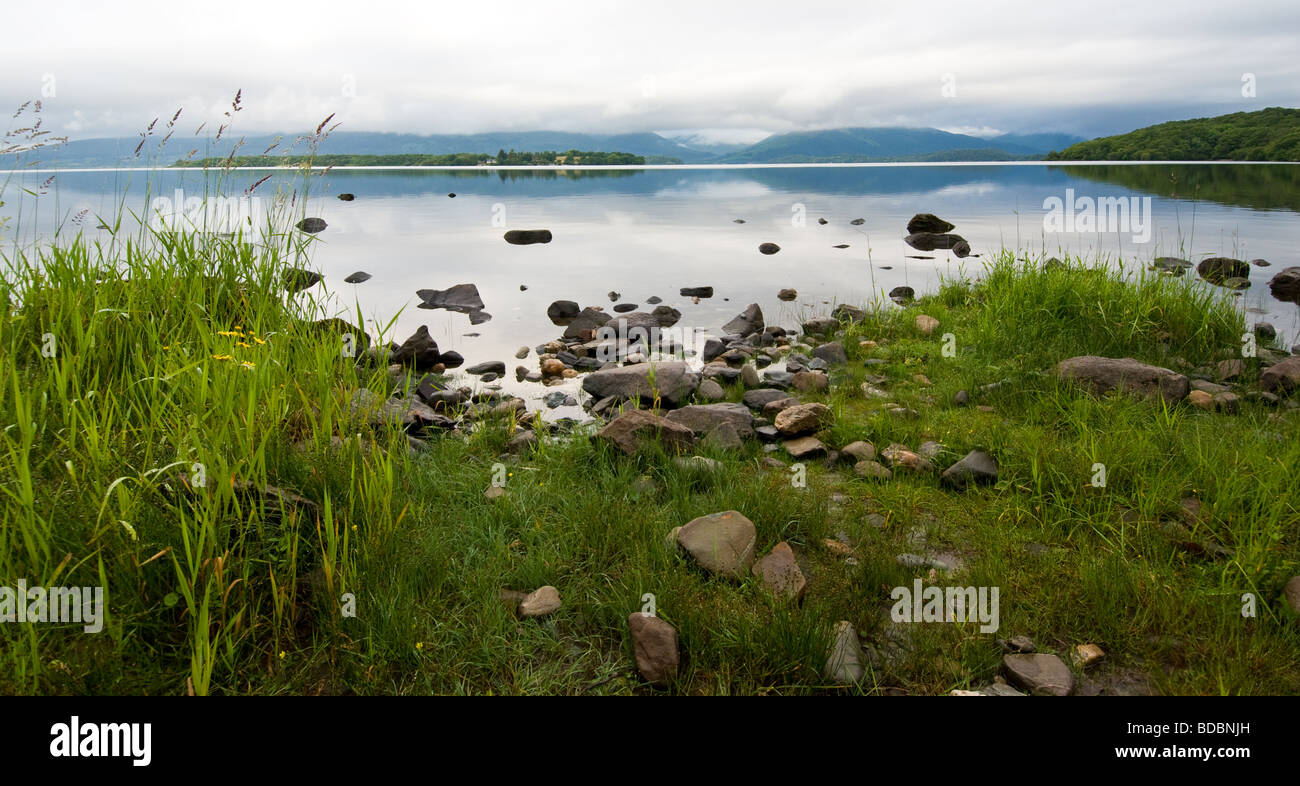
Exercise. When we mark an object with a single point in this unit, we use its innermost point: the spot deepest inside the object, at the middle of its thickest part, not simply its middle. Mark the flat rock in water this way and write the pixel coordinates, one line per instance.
(488, 367)
(312, 225)
(929, 241)
(721, 543)
(296, 279)
(463, 298)
(1217, 270)
(357, 278)
(525, 237)
(696, 292)
(1040, 674)
(747, 322)
(768, 248)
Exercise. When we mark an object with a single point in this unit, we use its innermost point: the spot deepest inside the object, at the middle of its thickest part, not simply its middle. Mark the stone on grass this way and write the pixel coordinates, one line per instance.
(654, 644)
(803, 419)
(780, 572)
(844, 661)
(540, 602)
(1040, 674)
(721, 543)
(976, 467)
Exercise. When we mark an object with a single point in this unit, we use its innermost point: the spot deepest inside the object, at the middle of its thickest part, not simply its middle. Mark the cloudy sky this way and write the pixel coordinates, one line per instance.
(737, 70)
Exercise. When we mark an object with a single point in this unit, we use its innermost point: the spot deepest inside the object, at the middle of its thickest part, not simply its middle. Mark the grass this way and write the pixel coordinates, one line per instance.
(152, 386)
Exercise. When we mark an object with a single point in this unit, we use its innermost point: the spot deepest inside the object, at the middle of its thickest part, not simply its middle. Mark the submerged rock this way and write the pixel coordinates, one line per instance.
(312, 225)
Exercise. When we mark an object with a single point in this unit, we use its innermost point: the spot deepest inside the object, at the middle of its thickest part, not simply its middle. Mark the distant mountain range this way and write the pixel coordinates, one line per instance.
(841, 145)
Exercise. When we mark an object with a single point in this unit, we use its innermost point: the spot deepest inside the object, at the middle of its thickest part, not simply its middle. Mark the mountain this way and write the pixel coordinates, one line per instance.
(890, 144)
(830, 146)
(1271, 134)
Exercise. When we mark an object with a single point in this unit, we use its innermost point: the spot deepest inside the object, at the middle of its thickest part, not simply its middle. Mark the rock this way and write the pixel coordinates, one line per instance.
(710, 390)
(655, 647)
(1017, 644)
(524, 237)
(673, 384)
(1281, 377)
(961, 399)
(899, 456)
(562, 310)
(787, 295)
(521, 442)
(1216, 270)
(665, 316)
(859, 450)
(696, 292)
(419, 352)
(1040, 674)
(780, 573)
(703, 418)
(857, 222)
(1230, 368)
(521, 353)
(559, 399)
(844, 661)
(296, 279)
(832, 352)
(976, 467)
(586, 323)
(1292, 593)
(1285, 285)
(487, 367)
(1265, 331)
(345, 197)
(803, 419)
(552, 367)
(462, 298)
(961, 249)
(494, 492)
(821, 326)
(768, 248)
(758, 398)
(749, 321)
(629, 431)
(749, 376)
(1199, 398)
(540, 602)
(1103, 375)
(312, 225)
(929, 241)
(1171, 265)
(341, 328)
(805, 447)
(846, 313)
(1085, 656)
(873, 470)
(623, 308)
(928, 222)
(1260, 262)
(810, 381)
(767, 433)
(357, 278)
(723, 436)
(721, 543)
(926, 324)
(773, 408)
(902, 295)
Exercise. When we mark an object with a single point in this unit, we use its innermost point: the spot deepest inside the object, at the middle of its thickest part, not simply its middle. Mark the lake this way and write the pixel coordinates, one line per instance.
(651, 231)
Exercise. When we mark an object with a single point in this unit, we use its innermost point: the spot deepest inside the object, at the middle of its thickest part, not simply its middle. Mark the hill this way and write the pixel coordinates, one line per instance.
(1271, 134)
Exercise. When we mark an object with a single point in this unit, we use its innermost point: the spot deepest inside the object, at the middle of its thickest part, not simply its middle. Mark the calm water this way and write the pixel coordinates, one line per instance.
(650, 232)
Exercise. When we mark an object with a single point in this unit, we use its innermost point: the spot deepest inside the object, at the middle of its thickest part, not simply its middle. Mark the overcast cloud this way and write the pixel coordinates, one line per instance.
(738, 69)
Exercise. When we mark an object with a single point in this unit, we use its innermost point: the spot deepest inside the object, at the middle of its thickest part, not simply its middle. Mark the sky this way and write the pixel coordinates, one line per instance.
(724, 71)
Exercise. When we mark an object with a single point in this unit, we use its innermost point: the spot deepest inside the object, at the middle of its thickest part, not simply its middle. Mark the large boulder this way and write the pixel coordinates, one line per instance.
(704, 418)
(630, 430)
(673, 383)
(721, 543)
(1102, 375)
